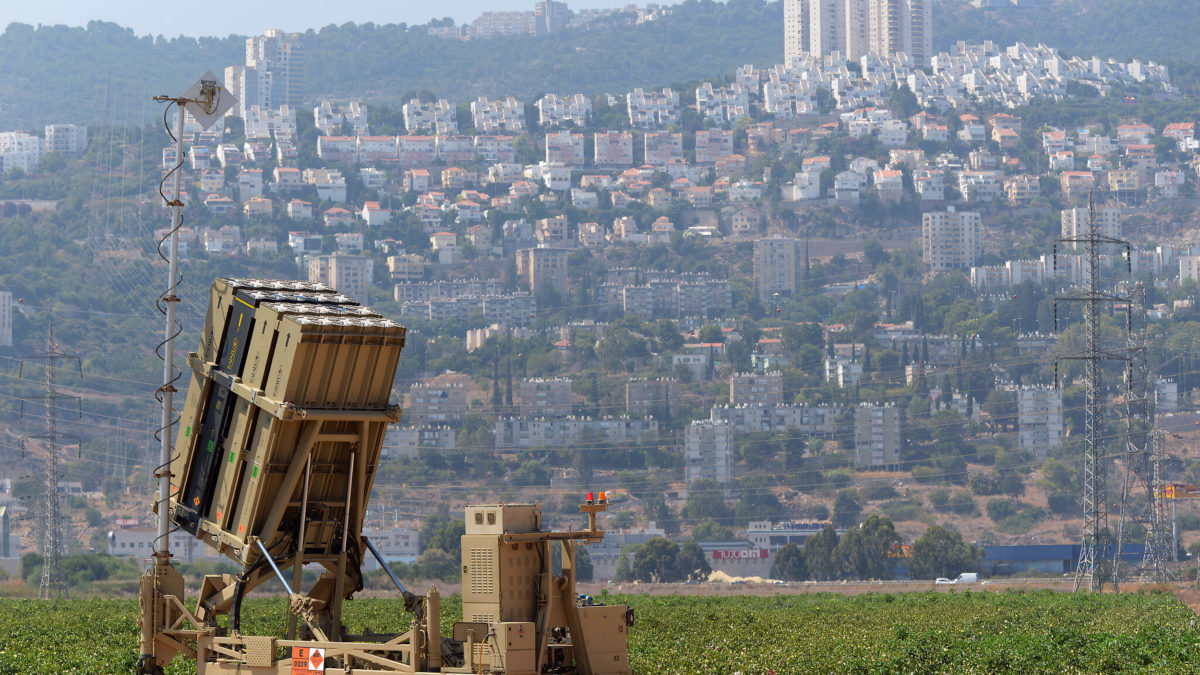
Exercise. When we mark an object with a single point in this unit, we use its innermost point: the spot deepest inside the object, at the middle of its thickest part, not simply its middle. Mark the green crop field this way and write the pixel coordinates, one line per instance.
(1013, 632)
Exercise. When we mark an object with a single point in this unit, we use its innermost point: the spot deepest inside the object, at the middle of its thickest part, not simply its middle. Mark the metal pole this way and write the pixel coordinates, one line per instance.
(162, 547)
(384, 565)
(339, 584)
(298, 563)
(271, 562)
(1174, 533)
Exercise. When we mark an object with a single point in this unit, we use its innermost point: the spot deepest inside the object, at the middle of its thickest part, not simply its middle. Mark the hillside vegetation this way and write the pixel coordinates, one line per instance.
(1160, 30)
(105, 74)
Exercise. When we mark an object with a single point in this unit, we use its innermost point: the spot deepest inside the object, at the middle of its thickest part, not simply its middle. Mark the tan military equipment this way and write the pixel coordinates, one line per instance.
(277, 448)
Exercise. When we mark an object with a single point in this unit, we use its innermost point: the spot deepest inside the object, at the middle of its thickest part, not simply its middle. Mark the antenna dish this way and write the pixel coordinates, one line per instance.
(208, 100)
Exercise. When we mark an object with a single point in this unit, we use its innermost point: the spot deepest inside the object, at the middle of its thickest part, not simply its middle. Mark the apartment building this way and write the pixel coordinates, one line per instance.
(545, 397)
(613, 149)
(565, 147)
(1075, 222)
(756, 389)
(1039, 420)
(652, 110)
(708, 452)
(855, 28)
(562, 432)
(776, 262)
(498, 116)
(951, 239)
(20, 150)
(554, 110)
(713, 145)
(430, 404)
(436, 117)
(349, 274)
(273, 75)
(66, 139)
(796, 22)
(877, 438)
(543, 268)
(813, 420)
(662, 148)
(648, 397)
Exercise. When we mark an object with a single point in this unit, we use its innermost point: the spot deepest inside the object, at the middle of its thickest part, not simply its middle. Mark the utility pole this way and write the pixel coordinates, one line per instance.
(1097, 539)
(53, 580)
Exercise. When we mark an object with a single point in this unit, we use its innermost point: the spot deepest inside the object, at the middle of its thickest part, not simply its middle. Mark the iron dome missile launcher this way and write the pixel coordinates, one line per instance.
(278, 444)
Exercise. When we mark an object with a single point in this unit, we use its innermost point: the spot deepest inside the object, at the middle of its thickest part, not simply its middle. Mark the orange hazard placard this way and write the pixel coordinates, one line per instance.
(308, 661)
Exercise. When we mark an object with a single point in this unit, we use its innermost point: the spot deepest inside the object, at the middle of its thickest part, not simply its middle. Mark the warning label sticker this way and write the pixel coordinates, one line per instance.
(308, 661)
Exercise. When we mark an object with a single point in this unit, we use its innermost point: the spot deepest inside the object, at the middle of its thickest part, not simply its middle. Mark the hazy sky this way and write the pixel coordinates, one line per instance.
(248, 17)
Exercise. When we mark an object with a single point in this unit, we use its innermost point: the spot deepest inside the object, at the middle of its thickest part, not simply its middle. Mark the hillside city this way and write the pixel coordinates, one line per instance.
(773, 314)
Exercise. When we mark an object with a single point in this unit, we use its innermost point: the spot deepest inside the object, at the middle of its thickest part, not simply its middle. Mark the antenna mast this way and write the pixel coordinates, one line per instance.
(206, 101)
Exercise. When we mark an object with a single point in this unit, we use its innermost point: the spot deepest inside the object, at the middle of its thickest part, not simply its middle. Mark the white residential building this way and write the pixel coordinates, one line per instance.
(554, 110)
(498, 116)
(877, 438)
(857, 28)
(545, 397)
(723, 104)
(565, 147)
(19, 150)
(708, 452)
(652, 110)
(843, 371)
(349, 274)
(775, 265)
(1039, 419)
(951, 239)
(439, 117)
(66, 139)
(1075, 222)
(613, 148)
(662, 148)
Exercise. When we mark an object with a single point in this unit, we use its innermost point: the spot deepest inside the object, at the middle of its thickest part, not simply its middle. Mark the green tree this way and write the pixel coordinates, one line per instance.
(797, 335)
(820, 555)
(789, 564)
(758, 503)
(666, 332)
(711, 334)
(656, 561)
(711, 530)
(443, 533)
(846, 508)
(624, 571)
(864, 551)
(706, 501)
(435, 563)
(691, 563)
(584, 569)
(879, 536)
(940, 552)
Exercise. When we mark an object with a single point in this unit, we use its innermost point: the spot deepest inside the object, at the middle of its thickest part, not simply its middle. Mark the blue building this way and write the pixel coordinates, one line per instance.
(1044, 558)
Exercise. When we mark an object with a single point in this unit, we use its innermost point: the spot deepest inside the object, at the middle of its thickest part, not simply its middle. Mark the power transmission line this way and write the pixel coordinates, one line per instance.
(53, 579)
